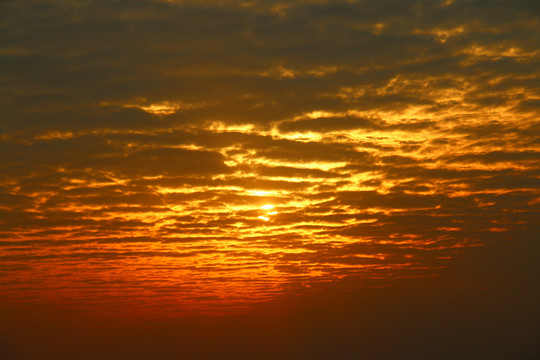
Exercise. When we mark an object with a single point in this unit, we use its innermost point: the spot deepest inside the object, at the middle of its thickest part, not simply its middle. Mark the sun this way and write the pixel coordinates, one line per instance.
(267, 213)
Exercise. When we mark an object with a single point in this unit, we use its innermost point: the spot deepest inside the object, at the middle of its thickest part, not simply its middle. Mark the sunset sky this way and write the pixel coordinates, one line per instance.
(297, 179)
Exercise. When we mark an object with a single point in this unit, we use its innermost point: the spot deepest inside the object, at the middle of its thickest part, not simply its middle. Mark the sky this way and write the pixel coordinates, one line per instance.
(296, 179)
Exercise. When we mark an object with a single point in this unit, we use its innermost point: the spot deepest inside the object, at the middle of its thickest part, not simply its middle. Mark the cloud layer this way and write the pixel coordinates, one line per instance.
(140, 141)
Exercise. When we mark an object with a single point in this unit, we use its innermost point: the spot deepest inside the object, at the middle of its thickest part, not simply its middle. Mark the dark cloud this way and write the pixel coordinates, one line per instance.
(292, 172)
(325, 124)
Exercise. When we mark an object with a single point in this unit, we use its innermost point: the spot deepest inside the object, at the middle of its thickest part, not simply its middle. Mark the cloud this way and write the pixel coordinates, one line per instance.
(141, 140)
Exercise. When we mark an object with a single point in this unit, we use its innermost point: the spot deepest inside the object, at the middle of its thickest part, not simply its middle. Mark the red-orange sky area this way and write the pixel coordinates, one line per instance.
(305, 179)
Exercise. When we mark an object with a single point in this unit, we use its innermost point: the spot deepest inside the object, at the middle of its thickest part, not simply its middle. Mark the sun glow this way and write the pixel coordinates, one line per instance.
(261, 193)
